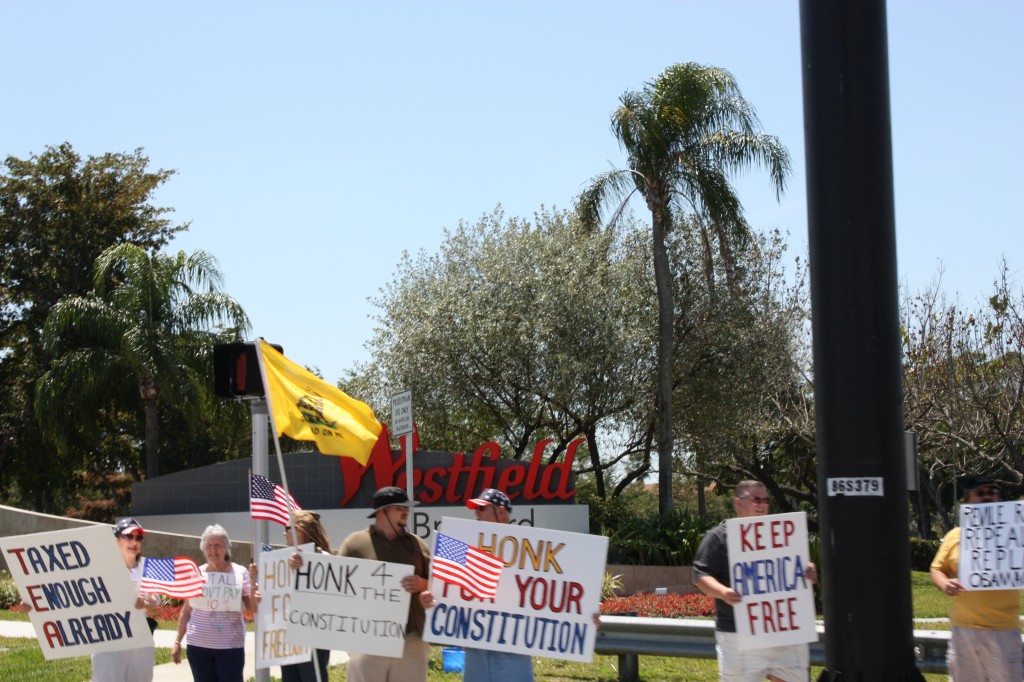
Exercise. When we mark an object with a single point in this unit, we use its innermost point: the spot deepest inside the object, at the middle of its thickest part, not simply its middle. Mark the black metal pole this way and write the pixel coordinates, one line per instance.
(865, 544)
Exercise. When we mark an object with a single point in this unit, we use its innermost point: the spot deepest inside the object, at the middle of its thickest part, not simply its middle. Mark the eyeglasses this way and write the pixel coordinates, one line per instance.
(986, 492)
(759, 500)
(132, 536)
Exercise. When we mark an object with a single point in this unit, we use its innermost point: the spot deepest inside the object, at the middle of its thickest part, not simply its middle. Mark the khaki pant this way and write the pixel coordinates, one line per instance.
(411, 667)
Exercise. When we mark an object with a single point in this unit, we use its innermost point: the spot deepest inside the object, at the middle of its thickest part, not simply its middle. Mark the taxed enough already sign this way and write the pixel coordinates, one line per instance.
(547, 593)
(768, 557)
(992, 546)
(80, 592)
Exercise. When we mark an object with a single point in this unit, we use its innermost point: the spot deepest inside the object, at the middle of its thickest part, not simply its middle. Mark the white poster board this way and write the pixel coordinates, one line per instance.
(221, 592)
(275, 580)
(767, 559)
(992, 546)
(354, 605)
(81, 594)
(547, 595)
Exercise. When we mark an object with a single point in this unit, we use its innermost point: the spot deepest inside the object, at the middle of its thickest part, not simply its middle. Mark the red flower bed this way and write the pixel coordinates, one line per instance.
(171, 611)
(664, 606)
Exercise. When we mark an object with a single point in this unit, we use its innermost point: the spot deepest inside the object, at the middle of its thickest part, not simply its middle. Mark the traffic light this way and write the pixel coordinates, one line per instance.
(236, 370)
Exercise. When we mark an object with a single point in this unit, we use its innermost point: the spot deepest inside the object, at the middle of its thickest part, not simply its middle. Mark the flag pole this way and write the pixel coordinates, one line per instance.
(284, 478)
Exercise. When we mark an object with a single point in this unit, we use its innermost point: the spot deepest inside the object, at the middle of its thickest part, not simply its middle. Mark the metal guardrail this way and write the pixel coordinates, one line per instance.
(630, 637)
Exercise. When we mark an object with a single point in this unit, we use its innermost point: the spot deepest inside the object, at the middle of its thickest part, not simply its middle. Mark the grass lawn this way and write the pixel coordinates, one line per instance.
(21, 659)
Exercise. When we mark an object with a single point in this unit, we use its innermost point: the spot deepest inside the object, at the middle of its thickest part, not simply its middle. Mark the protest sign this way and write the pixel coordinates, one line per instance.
(276, 579)
(768, 556)
(992, 546)
(546, 596)
(222, 591)
(81, 594)
(355, 605)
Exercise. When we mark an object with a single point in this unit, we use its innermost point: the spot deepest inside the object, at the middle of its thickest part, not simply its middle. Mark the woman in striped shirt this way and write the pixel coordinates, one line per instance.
(213, 622)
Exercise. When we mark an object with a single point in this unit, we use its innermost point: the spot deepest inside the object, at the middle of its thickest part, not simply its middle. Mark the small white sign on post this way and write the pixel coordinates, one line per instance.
(768, 557)
(80, 592)
(546, 596)
(992, 546)
(401, 413)
(355, 605)
(276, 578)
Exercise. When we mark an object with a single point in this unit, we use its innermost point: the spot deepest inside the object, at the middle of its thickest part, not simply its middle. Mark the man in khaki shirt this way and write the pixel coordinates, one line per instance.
(985, 645)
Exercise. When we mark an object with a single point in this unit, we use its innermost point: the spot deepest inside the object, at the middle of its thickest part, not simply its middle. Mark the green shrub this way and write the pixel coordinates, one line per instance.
(8, 591)
(922, 552)
(669, 540)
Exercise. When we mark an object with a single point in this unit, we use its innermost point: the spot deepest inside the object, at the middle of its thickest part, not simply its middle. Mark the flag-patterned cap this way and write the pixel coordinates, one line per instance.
(490, 496)
(390, 496)
(127, 525)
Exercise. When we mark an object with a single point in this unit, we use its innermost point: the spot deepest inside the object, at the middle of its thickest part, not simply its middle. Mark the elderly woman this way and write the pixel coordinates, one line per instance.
(307, 529)
(213, 623)
(131, 665)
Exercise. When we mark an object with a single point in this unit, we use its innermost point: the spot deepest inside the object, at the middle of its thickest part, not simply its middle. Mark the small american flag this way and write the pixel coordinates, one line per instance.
(269, 501)
(176, 577)
(457, 563)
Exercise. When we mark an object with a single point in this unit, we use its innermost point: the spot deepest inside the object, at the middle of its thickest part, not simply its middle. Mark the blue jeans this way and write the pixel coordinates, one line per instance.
(216, 665)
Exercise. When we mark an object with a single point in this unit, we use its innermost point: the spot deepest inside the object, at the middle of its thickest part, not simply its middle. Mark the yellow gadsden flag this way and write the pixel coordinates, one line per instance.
(308, 408)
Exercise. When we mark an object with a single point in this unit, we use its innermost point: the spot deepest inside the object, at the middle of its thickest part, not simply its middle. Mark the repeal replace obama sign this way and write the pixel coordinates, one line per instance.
(992, 546)
(79, 589)
(768, 557)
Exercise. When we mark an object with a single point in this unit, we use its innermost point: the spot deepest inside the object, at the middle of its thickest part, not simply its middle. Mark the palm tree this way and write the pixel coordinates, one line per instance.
(143, 334)
(684, 134)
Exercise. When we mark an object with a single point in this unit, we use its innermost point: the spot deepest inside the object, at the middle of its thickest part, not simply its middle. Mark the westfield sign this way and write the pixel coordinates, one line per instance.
(456, 483)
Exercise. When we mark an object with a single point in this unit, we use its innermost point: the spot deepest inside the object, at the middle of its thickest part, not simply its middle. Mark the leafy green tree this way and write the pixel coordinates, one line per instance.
(684, 133)
(964, 391)
(144, 334)
(519, 331)
(57, 211)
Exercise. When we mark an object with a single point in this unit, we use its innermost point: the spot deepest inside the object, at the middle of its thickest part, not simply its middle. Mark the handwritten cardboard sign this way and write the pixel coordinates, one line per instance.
(222, 592)
(547, 595)
(354, 605)
(81, 594)
(767, 559)
(992, 546)
(276, 579)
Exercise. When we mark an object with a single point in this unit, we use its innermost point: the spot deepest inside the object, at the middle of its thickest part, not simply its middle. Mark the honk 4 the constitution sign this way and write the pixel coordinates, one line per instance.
(768, 556)
(356, 605)
(547, 594)
(81, 594)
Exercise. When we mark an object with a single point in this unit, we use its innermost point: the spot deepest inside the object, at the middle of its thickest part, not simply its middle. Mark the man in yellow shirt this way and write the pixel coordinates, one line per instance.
(985, 645)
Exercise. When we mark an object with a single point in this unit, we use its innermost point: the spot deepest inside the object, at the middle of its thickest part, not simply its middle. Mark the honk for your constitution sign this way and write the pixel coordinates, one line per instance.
(768, 556)
(992, 546)
(547, 594)
(81, 594)
(354, 605)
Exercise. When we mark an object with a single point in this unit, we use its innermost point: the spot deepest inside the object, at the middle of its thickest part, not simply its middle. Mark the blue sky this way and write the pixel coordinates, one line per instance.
(315, 141)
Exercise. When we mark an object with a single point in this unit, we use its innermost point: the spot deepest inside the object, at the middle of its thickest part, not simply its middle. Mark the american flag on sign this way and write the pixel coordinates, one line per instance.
(176, 577)
(269, 501)
(457, 563)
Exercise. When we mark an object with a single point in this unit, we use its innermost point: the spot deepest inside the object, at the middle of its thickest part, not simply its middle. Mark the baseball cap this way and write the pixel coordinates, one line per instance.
(977, 481)
(490, 496)
(127, 525)
(390, 496)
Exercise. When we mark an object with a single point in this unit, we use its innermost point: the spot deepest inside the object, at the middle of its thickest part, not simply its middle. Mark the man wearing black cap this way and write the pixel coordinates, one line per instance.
(388, 540)
(985, 643)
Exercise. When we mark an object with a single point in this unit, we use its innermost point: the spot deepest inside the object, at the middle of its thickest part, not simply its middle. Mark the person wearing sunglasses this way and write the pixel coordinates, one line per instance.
(985, 644)
(788, 663)
(131, 665)
(307, 529)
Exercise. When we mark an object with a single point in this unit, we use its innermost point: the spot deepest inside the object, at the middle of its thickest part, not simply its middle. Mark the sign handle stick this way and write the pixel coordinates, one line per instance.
(407, 440)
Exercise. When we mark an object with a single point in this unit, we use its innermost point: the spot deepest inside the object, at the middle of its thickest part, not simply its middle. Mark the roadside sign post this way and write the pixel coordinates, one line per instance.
(402, 425)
